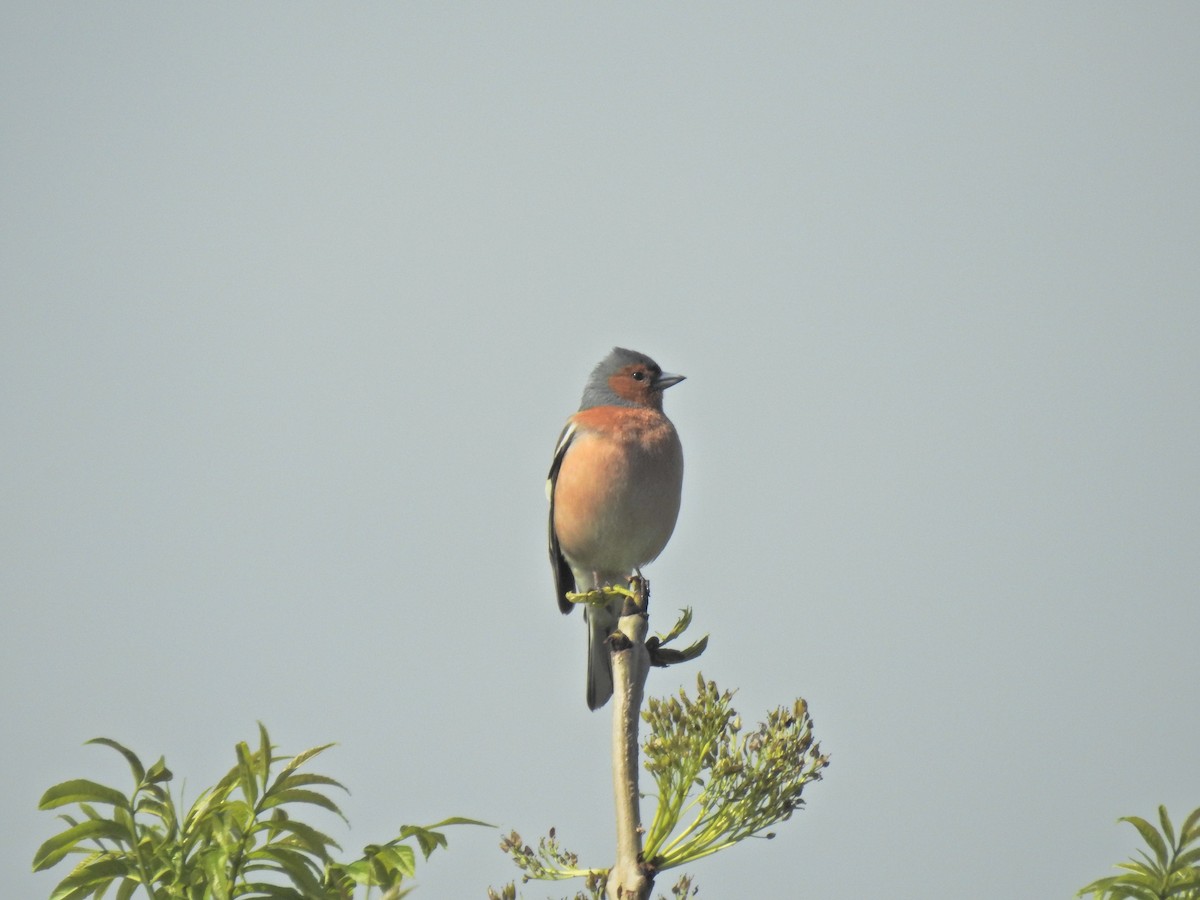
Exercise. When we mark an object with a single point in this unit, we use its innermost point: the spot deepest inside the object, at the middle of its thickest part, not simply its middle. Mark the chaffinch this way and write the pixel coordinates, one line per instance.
(614, 491)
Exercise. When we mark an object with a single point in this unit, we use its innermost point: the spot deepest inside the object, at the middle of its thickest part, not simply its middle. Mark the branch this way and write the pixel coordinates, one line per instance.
(630, 878)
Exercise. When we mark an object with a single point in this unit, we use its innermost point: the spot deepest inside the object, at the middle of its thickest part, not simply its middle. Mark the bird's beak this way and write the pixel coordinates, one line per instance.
(666, 380)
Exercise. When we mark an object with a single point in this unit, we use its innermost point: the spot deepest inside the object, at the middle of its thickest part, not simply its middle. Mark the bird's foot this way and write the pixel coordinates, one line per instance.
(598, 597)
(601, 596)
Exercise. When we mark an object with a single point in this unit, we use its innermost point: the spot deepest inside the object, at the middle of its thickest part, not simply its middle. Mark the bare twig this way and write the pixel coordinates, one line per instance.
(630, 878)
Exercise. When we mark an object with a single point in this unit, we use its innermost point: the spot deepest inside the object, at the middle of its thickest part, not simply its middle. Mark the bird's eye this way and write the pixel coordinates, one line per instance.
(639, 376)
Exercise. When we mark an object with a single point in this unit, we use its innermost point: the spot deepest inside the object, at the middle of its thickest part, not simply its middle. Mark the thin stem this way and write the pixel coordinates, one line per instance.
(627, 880)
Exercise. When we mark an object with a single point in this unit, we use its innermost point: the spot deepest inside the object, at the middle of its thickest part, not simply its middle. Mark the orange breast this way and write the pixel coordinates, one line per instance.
(616, 498)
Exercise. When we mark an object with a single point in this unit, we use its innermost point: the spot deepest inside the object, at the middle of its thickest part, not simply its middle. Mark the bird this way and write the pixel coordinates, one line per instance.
(614, 489)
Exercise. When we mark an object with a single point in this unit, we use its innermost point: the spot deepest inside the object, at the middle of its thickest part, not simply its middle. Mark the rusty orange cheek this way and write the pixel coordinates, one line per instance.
(625, 386)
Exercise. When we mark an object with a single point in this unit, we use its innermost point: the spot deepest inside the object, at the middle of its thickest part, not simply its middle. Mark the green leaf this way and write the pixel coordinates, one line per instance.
(338, 879)
(96, 873)
(127, 889)
(65, 842)
(159, 772)
(456, 820)
(1134, 892)
(80, 790)
(135, 764)
(305, 779)
(228, 782)
(398, 858)
(428, 839)
(301, 869)
(1151, 836)
(266, 891)
(681, 625)
(1096, 889)
(1115, 887)
(1191, 828)
(236, 815)
(379, 870)
(207, 808)
(1141, 871)
(1185, 886)
(390, 863)
(664, 657)
(305, 836)
(160, 807)
(264, 750)
(246, 774)
(215, 863)
(1166, 825)
(298, 760)
(359, 872)
(78, 893)
(301, 796)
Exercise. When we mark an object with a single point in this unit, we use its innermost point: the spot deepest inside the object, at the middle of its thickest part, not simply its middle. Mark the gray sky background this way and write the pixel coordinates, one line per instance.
(296, 298)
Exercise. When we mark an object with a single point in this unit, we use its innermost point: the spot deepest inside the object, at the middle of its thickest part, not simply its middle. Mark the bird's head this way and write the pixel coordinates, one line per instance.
(627, 378)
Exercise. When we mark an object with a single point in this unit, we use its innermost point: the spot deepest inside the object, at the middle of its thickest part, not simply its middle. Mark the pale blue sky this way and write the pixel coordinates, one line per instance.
(297, 296)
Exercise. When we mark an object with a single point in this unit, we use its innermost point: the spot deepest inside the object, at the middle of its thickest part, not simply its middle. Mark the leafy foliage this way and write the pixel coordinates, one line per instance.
(238, 840)
(732, 785)
(550, 862)
(1171, 872)
(683, 889)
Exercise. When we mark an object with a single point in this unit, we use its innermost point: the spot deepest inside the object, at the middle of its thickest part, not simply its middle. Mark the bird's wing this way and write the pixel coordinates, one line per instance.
(564, 578)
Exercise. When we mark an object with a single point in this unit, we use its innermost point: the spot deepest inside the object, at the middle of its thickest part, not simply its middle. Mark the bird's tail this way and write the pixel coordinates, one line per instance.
(599, 670)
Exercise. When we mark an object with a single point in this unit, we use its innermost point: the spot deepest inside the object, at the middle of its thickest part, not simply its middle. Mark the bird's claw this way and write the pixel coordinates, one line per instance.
(587, 598)
(601, 596)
